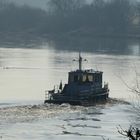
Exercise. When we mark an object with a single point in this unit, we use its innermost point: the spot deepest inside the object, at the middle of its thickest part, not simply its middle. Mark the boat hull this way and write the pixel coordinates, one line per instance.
(97, 99)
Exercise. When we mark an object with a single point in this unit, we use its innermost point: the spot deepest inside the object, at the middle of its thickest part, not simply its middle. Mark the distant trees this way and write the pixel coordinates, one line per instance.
(100, 16)
(118, 13)
(2, 4)
(71, 17)
(65, 7)
(14, 18)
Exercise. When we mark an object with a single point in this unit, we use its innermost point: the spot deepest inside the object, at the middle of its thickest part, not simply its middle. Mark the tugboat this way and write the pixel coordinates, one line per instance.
(84, 87)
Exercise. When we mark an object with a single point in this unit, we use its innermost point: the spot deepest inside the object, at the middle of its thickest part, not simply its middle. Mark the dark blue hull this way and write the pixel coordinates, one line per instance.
(101, 98)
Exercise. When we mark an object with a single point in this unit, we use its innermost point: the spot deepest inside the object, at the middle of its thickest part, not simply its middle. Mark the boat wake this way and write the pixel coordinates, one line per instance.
(29, 113)
(49, 121)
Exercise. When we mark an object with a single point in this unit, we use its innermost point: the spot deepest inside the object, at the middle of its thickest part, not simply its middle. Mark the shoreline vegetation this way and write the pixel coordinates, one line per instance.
(101, 26)
(72, 19)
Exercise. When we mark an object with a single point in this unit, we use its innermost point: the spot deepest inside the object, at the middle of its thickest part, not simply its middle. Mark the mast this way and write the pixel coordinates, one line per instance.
(80, 61)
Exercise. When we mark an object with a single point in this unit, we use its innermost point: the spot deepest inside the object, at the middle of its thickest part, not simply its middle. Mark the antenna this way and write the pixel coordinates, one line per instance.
(80, 60)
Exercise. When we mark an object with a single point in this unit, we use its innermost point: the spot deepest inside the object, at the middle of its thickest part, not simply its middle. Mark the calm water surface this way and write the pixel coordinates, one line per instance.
(26, 73)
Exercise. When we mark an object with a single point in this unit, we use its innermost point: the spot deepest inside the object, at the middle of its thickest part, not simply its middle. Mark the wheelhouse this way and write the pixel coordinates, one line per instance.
(86, 77)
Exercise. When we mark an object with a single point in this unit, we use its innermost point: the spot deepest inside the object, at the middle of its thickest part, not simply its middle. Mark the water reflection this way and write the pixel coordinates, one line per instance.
(107, 45)
(134, 49)
(99, 45)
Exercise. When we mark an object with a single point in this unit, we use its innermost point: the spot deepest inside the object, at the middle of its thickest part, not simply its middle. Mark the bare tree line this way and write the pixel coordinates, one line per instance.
(112, 17)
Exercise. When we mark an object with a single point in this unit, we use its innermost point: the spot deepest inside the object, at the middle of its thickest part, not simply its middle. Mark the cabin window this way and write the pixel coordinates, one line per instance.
(90, 78)
(81, 78)
(84, 78)
(98, 78)
(71, 78)
(75, 78)
(87, 78)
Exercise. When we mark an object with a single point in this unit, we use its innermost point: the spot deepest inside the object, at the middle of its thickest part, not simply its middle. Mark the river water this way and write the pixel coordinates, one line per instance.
(26, 73)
